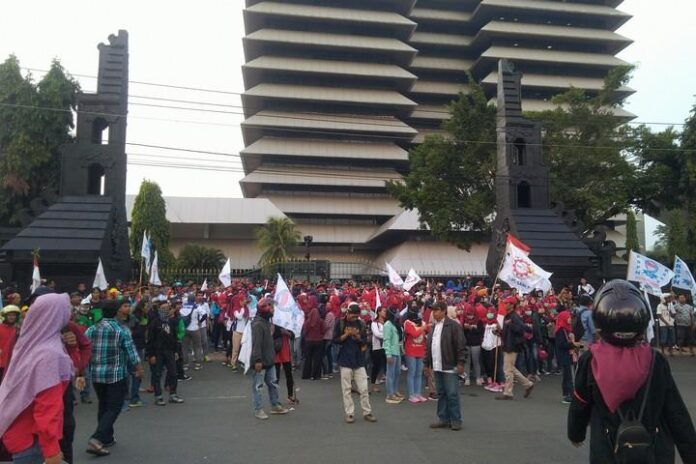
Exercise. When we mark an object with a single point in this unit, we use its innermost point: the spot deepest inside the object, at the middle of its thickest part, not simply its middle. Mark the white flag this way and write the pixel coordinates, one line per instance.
(682, 277)
(204, 287)
(154, 272)
(226, 274)
(245, 350)
(411, 279)
(100, 278)
(146, 250)
(288, 314)
(378, 300)
(394, 276)
(35, 276)
(649, 273)
(520, 272)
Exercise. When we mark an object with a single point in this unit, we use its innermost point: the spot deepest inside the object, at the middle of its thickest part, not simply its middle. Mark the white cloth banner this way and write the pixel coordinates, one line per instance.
(146, 250)
(226, 274)
(204, 287)
(35, 276)
(287, 314)
(649, 273)
(411, 279)
(682, 277)
(520, 272)
(154, 272)
(100, 278)
(394, 276)
(245, 350)
(378, 299)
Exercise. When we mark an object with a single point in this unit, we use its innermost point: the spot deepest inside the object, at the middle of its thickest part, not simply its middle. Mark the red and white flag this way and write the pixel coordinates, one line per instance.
(35, 276)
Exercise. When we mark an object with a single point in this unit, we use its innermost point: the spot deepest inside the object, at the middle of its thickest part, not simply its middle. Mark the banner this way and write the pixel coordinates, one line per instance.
(287, 314)
(204, 287)
(100, 278)
(146, 250)
(226, 274)
(513, 241)
(245, 350)
(520, 272)
(378, 299)
(154, 272)
(394, 276)
(682, 277)
(411, 279)
(649, 273)
(35, 276)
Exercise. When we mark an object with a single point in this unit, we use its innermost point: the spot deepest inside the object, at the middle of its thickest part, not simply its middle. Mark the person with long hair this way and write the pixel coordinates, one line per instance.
(565, 344)
(393, 349)
(31, 395)
(414, 347)
(379, 359)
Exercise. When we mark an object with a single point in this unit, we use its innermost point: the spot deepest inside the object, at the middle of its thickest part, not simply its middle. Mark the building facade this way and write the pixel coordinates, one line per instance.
(338, 91)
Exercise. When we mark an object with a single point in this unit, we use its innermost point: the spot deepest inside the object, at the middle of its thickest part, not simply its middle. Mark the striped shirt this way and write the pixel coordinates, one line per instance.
(113, 351)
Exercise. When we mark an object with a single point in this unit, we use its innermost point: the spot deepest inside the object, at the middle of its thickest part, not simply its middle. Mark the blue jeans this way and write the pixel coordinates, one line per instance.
(414, 376)
(32, 455)
(267, 376)
(393, 375)
(448, 408)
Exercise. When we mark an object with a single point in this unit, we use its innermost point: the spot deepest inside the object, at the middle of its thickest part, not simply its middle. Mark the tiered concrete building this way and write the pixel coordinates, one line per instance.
(337, 92)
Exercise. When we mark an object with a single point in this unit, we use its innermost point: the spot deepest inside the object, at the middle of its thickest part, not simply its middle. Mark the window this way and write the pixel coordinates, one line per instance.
(100, 132)
(524, 195)
(519, 152)
(96, 179)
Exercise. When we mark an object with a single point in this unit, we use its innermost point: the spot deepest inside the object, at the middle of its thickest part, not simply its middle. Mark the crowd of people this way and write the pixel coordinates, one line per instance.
(438, 335)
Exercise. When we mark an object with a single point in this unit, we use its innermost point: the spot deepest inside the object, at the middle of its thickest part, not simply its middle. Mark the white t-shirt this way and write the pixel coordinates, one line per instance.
(196, 313)
(377, 335)
(241, 320)
(436, 348)
(666, 319)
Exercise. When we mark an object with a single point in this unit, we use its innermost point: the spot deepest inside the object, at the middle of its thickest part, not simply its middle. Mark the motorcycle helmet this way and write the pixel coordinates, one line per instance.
(620, 313)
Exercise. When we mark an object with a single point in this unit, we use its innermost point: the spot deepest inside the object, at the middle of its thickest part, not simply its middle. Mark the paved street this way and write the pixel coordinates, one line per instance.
(216, 425)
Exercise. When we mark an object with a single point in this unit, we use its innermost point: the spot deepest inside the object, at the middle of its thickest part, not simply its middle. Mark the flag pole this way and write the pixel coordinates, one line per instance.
(140, 279)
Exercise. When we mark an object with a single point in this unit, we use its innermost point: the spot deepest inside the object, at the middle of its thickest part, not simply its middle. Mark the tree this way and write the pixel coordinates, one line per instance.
(194, 256)
(452, 177)
(31, 135)
(673, 237)
(150, 214)
(277, 238)
(632, 243)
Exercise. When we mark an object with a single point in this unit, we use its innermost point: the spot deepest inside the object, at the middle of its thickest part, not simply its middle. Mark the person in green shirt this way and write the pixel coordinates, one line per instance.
(393, 349)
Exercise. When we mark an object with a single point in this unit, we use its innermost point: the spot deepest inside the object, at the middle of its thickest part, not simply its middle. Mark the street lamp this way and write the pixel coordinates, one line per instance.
(308, 239)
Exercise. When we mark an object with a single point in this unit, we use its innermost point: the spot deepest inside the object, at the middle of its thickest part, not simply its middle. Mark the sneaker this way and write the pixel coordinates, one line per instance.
(136, 404)
(160, 402)
(392, 400)
(528, 391)
(324, 377)
(491, 386)
(350, 418)
(279, 410)
(370, 418)
(439, 425)
(456, 426)
(404, 368)
(566, 400)
(467, 382)
(399, 395)
(186, 377)
(479, 382)
(261, 414)
(197, 367)
(95, 448)
(175, 399)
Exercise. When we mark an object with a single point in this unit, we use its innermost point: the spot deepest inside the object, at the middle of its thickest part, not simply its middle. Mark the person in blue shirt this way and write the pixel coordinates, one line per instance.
(585, 313)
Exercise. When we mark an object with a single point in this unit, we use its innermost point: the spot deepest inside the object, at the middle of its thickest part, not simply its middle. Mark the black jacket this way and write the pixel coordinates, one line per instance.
(513, 333)
(161, 335)
(262, 349)
(665, 413)
(452, 345)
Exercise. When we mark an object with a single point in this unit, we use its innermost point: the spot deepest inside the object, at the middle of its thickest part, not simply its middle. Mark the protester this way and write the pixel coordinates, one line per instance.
(414, 349)
(283, 358)
(624, 390)
(161, 351)
(314, 343)
(565, 344)
(193, 316)
(473, 333)
(379, 359)
(262, 361)
(666, 331)
(684, 323)
(393, 349)
(113, 352)
(513, 341)
(351, 337)
(39, 372)
(9, 324)
(584, 314)
(446, 357)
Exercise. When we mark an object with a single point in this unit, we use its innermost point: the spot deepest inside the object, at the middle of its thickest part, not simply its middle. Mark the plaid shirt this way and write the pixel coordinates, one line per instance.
(113, 351)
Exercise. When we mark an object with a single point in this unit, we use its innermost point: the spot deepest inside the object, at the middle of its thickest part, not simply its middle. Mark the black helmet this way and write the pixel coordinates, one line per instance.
(620, 313)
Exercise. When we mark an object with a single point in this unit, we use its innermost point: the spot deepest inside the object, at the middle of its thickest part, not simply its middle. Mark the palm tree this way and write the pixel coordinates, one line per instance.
(194, 256)
(276, 239)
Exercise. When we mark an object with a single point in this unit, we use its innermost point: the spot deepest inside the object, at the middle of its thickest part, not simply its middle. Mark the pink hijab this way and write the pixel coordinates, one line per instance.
(39, 360)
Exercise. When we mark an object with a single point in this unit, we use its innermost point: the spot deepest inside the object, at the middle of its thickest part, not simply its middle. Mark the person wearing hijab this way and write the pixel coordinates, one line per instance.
(414, 347)
(622, 374)
(31, 396)
(565, 344)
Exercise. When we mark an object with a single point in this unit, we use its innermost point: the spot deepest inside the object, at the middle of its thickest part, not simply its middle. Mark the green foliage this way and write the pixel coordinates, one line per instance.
(632, 243)
(194, 256)
(30, 137)
(451, 179)
(150, 214)
(673, 237)
(277, 238)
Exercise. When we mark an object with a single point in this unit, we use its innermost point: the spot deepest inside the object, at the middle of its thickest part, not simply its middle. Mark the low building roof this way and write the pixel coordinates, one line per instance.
(436, 259)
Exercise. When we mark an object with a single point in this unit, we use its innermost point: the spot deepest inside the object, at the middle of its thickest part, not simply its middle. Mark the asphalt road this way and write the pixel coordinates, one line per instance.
(216, 425)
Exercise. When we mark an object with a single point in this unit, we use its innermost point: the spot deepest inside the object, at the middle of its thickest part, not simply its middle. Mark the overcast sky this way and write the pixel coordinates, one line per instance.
(198, 44)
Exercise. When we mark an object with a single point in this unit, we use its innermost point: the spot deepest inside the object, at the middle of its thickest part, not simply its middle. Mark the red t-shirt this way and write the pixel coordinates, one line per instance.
(8, 338)
(415, 339)
(42, 420)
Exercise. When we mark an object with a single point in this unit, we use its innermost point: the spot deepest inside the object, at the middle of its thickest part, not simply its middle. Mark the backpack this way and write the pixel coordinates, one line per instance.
(633, 442)
(578, 327)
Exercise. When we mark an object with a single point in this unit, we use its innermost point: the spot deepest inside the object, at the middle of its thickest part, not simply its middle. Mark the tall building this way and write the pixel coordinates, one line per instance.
(337, 91)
